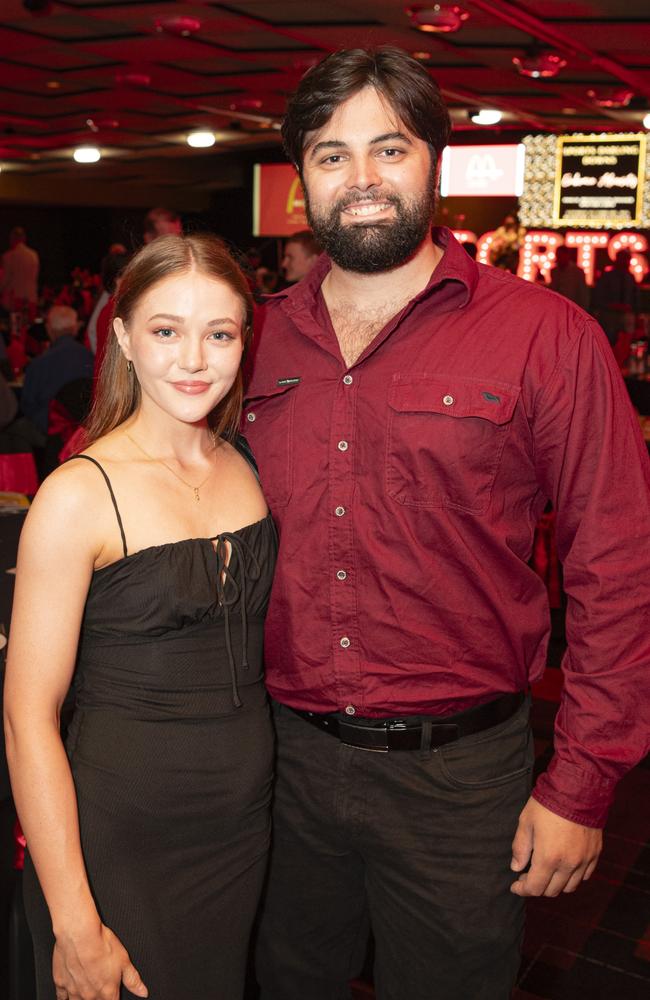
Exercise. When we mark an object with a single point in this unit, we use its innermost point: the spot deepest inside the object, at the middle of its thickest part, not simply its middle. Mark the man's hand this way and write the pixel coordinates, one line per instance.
(564, 854)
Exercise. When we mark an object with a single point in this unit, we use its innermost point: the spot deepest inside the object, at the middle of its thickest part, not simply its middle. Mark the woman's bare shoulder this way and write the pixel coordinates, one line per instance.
(72, 501)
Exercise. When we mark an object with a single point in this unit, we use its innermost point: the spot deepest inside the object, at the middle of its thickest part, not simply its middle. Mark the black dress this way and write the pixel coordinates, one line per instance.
(170, 748)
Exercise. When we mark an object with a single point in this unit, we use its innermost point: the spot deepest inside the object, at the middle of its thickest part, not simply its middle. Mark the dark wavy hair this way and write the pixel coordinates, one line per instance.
(117, 394)
(401, 80)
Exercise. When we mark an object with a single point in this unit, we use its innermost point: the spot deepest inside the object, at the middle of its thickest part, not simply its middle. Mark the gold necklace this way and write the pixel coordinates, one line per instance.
(173, 471)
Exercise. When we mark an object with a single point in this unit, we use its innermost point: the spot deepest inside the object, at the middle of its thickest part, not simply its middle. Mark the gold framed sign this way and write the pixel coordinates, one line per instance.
(599, 180)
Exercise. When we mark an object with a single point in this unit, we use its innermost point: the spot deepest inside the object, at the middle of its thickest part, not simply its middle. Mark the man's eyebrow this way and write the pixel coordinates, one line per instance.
(326, 144)
(391, 137)
(339, 144)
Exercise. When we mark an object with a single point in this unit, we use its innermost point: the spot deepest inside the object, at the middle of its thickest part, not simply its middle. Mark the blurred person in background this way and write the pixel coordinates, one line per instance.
(568, 279)
(65, 361)
(615, 295)
(103, 297)
(112, 269)
(20, 267)
(507, 242)
(301, 251)
(161, 222)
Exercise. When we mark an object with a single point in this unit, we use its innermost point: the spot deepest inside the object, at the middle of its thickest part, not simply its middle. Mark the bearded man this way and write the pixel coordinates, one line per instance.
(412, 412)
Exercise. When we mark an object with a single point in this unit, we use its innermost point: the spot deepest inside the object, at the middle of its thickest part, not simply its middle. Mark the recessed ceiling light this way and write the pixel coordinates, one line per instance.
(201, 140)
(486, 116)
(441, 17)
(87, 154)
(646, 121)
(53, 85)
(421, 55)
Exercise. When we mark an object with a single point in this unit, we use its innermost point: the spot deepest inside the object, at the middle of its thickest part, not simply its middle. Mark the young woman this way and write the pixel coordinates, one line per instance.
(147, 562)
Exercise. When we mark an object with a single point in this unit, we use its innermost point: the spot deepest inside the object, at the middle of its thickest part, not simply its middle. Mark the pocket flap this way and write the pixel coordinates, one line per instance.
(454, 396)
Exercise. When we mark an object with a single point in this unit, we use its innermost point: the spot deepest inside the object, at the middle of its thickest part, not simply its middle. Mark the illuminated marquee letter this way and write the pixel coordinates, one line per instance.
(483, 245)
(538, 254)
(634, 242)
(464, 235)
(587, 243)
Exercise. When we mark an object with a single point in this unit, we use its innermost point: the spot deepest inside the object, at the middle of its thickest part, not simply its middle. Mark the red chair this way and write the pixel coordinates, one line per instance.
(18, 473)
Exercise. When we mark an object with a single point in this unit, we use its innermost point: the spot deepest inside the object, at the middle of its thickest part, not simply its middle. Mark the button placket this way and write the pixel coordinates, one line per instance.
(344, 622)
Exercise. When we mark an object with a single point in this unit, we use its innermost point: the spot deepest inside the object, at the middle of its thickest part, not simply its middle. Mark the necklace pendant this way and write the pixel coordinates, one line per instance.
(196, 493)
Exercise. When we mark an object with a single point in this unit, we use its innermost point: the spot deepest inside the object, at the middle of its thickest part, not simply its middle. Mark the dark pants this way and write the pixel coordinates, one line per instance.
(416, 844)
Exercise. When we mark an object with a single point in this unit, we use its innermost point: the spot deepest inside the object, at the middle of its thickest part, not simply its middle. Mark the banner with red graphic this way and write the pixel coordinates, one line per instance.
(278, 201)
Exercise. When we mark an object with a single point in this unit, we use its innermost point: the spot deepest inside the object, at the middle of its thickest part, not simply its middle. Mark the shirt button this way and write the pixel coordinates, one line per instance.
(345, 642)
(350, 710)
(250, 417)
(347, 380)
(341, 575)
(342, 446)
(448, 400)
(340, 511)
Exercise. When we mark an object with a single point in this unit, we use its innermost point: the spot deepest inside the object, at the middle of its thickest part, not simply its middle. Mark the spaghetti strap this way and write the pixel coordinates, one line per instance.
(110, 490)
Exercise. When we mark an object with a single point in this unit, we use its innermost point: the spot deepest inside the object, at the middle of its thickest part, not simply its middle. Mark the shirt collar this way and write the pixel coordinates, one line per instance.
(451, 285)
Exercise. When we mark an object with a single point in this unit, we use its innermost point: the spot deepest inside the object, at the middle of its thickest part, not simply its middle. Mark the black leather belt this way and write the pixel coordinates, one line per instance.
(412, 732)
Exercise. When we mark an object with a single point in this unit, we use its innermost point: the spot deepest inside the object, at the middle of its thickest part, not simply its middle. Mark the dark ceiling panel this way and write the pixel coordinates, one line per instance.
(127, 66)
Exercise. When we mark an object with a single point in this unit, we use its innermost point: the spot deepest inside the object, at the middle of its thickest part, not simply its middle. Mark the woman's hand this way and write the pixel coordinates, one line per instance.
(93, 967)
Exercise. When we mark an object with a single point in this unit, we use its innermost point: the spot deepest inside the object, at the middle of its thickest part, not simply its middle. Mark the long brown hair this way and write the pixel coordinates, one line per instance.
(117, 393)
(404, 83)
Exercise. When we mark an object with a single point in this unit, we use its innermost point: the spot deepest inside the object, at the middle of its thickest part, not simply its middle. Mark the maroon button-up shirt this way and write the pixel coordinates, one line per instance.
(406, 490)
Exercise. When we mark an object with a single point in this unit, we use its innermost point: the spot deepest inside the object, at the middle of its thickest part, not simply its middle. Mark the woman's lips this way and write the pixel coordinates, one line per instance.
(191, 388)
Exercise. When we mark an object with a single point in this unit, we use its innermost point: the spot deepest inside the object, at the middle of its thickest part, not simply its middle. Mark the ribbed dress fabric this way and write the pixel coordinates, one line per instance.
(170, 748)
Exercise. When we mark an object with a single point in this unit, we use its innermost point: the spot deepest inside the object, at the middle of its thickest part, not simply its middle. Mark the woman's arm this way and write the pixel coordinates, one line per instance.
(57, 552)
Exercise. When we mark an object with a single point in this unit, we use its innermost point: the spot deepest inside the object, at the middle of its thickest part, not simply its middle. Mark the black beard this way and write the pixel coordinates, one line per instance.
(371, 247)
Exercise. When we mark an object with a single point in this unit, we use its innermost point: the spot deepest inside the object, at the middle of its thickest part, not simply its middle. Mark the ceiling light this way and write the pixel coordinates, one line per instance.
(87, 154)
(95, 124)
(182, 26)
(53, 85)
(246, 104)
(201, 140)
(619, 97)
(133, 79)
(646, 121)
(486, 116)
(539, 64)
(439, 17)
(422, 56)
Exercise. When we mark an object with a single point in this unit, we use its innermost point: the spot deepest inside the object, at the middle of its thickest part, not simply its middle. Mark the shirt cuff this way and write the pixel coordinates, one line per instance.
(581, 796)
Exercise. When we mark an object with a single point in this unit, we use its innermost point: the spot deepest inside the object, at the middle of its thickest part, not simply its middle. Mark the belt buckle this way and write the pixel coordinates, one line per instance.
(378, 736)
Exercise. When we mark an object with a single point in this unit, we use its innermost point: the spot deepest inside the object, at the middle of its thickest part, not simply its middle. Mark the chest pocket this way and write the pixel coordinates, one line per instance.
(445, 440)
(268, 425)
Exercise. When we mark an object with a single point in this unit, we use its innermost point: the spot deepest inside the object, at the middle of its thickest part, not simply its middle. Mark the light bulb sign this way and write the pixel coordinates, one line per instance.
(599, 180)
(485, 171)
